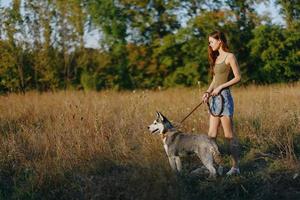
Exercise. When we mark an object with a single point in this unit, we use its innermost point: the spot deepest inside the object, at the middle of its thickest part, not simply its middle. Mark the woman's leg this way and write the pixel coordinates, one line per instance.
(214, 123)
(227, 124)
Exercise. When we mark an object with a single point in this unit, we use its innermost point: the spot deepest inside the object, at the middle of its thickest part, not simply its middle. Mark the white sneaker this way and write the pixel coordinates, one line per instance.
(233, 171)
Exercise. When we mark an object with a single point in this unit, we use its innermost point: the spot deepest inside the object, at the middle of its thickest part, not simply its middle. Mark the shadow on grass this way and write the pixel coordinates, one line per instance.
(262, 178)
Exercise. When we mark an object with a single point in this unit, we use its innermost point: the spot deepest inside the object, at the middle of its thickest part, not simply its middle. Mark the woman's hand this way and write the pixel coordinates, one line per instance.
(205, 97)
(216, 91)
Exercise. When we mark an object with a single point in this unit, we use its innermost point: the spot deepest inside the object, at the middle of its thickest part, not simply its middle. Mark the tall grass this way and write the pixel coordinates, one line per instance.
(95, 145)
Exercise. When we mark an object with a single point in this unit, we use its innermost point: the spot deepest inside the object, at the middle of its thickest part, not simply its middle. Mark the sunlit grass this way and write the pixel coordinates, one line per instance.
(70, 143)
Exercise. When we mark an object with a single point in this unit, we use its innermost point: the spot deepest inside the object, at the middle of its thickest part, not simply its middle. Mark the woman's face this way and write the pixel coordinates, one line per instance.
(214, 43)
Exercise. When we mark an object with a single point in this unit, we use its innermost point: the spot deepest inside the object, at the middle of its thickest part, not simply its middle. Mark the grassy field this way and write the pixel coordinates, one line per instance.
(95, 145)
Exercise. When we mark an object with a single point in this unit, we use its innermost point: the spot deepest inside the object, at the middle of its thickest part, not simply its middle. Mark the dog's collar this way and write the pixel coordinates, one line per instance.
(164, 134)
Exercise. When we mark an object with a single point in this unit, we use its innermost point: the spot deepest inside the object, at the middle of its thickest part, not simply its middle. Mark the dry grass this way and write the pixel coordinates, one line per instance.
(74, 144)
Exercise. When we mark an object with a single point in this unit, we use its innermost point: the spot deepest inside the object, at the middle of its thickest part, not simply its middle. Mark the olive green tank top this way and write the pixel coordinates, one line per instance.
(221, 72)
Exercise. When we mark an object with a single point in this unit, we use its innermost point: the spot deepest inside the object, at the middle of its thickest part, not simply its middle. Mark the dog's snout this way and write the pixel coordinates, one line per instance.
(148, 127)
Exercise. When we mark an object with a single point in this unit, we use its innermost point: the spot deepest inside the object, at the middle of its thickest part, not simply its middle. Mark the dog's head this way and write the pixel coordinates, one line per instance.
(160, 125)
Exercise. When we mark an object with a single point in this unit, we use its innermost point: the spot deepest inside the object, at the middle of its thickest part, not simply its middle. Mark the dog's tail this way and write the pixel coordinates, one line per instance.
(217, 158)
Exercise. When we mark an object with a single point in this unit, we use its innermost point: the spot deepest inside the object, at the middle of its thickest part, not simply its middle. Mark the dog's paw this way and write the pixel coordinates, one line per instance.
(200, 171)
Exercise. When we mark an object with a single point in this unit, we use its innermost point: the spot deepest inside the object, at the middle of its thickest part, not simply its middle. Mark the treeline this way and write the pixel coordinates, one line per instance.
(143, 43)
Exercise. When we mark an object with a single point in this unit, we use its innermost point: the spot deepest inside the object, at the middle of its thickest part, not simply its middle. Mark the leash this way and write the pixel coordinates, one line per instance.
(215, 115)
(191, 112)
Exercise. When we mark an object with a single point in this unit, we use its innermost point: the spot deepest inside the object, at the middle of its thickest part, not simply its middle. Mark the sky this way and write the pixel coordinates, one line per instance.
(91, 38)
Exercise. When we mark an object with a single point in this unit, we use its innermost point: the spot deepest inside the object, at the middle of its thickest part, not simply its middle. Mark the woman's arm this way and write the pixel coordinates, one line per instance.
(208, 91)
(210, 88)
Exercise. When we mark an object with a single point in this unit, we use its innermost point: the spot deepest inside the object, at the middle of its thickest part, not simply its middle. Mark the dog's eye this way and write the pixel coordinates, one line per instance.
(155, 123)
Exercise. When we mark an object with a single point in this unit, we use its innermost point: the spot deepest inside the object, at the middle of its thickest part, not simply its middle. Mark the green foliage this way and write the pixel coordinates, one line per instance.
(274, 54)
(9, 75)
(290, 9)
(88, 81)
(183, 76)
(143, 44)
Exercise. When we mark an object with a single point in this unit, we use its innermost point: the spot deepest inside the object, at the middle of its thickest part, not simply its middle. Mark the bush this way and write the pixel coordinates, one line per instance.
(88, 81)
(184, 76)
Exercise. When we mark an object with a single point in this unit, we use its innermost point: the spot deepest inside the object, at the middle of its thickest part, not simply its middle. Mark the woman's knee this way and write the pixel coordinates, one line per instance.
(213, 127)
(228, 135)
(227, 127)
(212, 133)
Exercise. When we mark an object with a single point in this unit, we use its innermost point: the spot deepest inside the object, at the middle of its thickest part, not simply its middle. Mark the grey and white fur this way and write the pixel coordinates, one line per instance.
(178, 144)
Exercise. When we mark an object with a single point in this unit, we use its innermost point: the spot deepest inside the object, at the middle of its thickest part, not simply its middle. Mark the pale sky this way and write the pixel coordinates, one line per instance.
(91, 38)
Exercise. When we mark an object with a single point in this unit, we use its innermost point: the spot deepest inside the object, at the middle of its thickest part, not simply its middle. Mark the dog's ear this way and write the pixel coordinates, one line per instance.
(157, 114)
(162, 117)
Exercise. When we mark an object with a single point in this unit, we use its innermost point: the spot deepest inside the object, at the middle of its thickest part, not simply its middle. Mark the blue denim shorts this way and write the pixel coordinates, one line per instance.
(228, 106)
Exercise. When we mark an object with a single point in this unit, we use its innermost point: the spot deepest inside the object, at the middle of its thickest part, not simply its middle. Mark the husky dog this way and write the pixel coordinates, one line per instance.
(178, 144)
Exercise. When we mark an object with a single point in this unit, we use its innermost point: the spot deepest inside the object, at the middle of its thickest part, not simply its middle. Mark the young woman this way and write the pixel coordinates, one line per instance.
(221, 63)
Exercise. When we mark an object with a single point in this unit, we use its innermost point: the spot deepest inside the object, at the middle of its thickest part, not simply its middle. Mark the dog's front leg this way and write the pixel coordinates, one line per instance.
(178, 163)
(172, 163)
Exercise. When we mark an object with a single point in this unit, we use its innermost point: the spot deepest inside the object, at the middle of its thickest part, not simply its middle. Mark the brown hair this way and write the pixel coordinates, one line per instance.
(212, 55)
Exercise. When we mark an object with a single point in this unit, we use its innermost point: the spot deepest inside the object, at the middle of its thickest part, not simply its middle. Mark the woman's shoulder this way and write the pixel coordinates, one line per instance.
(230, 56)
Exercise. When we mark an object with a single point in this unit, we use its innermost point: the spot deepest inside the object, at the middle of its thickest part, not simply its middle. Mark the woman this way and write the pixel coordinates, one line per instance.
(221, 62)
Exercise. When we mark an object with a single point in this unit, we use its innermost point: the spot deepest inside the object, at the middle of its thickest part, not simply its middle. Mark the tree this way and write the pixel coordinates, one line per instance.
(13, 27)
(291, 12)
(274, 55)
